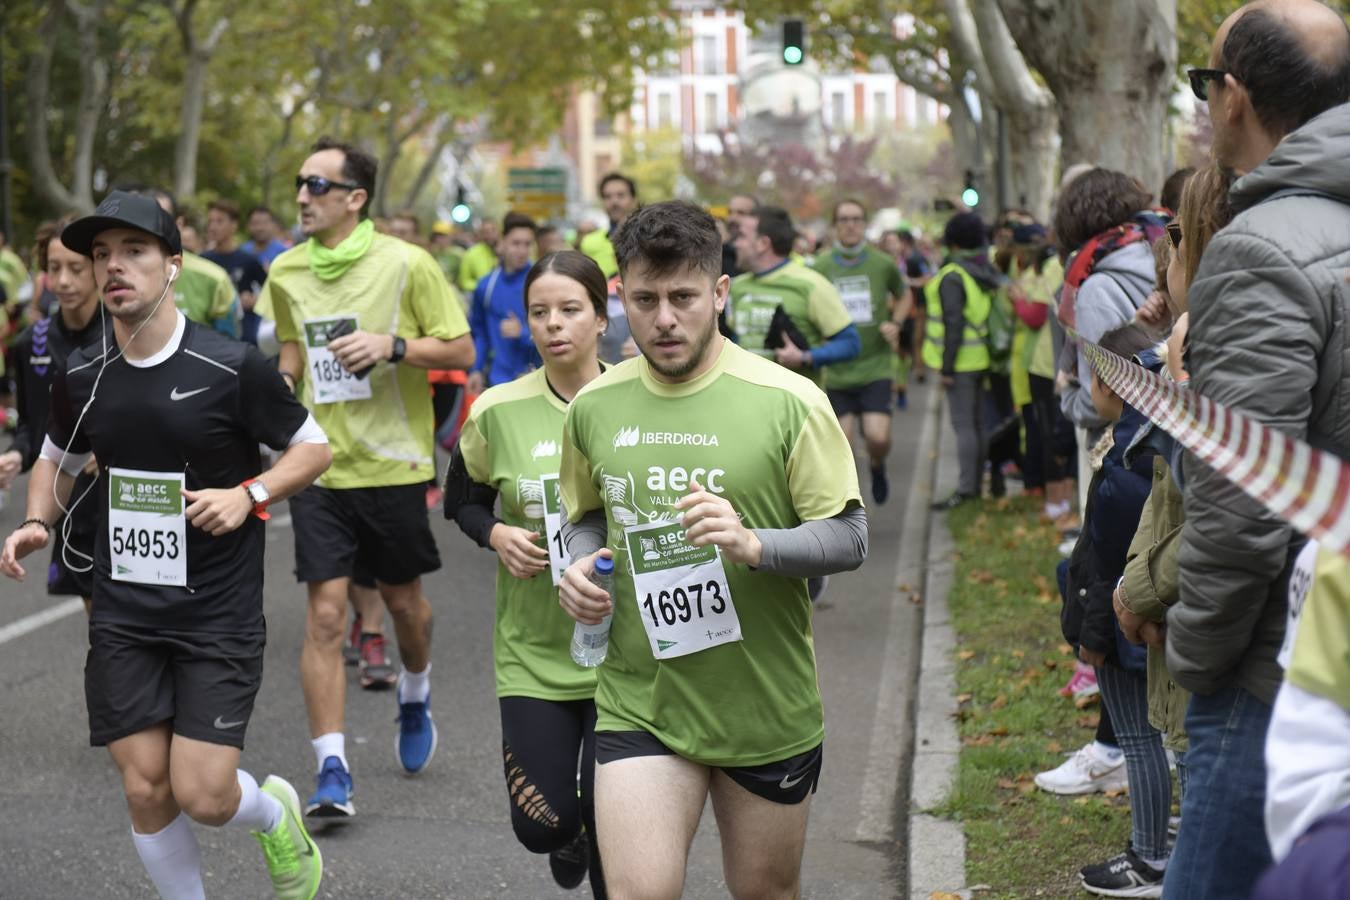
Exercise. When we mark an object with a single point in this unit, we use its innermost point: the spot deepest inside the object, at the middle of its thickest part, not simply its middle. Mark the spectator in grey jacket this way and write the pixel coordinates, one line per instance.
(1119, 282)
(1268, 313)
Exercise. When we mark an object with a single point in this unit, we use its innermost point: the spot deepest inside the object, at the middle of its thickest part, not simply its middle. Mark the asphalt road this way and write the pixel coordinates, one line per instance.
(446, 833)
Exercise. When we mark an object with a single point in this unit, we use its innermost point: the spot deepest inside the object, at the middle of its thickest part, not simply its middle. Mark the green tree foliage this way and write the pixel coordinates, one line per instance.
(386, 74)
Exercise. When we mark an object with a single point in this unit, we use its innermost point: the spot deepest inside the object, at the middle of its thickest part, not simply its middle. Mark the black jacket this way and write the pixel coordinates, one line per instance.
(39, 352)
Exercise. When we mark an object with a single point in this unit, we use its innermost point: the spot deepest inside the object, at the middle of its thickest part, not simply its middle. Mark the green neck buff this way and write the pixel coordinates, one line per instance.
(848, 252)
(329, 264)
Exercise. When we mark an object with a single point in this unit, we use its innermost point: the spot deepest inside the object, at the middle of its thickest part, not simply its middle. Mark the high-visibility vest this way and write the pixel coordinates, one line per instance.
(974, 353)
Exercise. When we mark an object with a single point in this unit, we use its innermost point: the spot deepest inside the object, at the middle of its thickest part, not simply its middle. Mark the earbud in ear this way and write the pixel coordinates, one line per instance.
(173, 271)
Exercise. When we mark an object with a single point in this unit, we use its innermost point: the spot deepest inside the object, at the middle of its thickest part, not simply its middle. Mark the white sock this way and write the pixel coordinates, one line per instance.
(334, 743)
(1159, 864)
(1107, 752)
(257, 811)
(415, 687)
(173, 860)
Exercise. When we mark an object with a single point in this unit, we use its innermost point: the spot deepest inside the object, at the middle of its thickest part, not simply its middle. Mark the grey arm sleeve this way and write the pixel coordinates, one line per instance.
(821, 547)
(586, 536)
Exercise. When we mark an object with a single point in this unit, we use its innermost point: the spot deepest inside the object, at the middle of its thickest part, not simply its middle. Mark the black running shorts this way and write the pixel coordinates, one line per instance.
(787, 781)
(202, 683)
(873, 397)
(380, 531)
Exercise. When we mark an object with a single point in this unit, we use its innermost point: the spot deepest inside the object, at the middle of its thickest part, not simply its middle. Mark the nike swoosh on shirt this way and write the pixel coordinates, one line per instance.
(175, 394)
(787, 784)
(221, 724)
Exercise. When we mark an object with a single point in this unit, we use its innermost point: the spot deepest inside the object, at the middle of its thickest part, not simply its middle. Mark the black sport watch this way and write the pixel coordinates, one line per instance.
(400, 350)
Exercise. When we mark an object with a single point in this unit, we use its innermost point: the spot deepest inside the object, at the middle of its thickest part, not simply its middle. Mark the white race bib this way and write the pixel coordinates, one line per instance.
(681, 590)
(330, 383)
(147, 531)
(1300, 582)
(856, 292)
(558, 558)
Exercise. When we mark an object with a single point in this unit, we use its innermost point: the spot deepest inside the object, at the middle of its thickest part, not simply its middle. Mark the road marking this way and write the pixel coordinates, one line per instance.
(881, 781)
(38, 620)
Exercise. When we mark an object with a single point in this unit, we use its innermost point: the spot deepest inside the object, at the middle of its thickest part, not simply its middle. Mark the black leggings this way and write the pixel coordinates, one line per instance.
(540, 743)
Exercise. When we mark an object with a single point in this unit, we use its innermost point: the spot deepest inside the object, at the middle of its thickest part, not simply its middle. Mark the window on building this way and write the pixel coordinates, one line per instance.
(711, 120)
(709, 64)
(664, 114)
(881, 108)
(837, 106)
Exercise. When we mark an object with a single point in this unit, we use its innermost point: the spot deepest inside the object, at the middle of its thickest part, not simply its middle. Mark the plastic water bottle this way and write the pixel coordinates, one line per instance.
(590, 643)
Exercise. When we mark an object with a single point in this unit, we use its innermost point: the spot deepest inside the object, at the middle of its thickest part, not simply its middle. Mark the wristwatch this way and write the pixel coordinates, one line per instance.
(258, 493)
(400, 349)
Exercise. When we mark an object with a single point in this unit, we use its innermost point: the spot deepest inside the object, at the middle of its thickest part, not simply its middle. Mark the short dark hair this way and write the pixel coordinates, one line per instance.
(517, 220)
(1172, 187)
(580, 268)
(1095, 201)
(45, 233)
(617, 176)
(228, 207)
(265, 211)
(855, 201)
(544, 231)
(1287, 85)
(906, 236)
(966, 231)
(774, 223)
(410, 216)
(666, 237)
(358, 166)
(158, 193)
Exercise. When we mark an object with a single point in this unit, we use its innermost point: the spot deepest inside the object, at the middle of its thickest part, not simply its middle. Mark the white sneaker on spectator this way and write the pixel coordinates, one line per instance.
(1086, 772)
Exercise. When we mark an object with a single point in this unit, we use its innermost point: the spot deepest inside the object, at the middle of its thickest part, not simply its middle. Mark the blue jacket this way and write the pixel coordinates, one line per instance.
(500, 295)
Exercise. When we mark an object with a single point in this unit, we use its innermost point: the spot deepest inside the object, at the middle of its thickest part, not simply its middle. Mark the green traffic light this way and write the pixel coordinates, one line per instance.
(792, 55)
(461, 213)
(970, 197)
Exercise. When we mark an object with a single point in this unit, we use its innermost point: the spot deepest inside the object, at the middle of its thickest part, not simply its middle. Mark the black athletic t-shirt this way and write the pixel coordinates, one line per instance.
(200, 409)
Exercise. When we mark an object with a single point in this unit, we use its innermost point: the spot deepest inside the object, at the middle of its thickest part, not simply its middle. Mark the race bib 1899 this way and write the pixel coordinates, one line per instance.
(147, 533)
(681, 590)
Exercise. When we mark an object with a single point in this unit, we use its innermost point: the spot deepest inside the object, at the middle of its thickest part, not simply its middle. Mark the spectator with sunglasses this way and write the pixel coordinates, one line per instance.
(1267, 313)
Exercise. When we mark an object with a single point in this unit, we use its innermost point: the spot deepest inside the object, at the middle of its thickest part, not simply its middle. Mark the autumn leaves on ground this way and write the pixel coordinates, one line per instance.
(1011, 662)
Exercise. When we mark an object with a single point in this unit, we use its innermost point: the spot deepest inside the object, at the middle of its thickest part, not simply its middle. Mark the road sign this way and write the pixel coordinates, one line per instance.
(540, 193)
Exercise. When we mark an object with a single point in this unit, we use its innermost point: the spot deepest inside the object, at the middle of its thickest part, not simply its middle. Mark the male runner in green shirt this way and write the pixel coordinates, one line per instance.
(874, 295)
(718, 482)
(813, 329)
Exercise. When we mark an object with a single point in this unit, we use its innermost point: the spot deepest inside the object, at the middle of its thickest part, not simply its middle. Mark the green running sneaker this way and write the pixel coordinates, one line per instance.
(293, 859)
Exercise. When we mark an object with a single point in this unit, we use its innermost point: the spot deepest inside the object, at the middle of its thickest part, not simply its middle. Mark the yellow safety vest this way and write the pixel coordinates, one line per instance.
(974, 353)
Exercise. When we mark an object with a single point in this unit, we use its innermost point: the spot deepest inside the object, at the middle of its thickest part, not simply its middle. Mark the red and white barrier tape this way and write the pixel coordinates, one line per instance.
(1306, 487)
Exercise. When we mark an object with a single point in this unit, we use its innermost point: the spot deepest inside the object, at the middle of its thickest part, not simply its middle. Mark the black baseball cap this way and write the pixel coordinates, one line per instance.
(121, 209)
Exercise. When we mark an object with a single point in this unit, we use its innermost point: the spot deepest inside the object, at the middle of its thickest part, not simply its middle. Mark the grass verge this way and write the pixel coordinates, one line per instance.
(1011, 662)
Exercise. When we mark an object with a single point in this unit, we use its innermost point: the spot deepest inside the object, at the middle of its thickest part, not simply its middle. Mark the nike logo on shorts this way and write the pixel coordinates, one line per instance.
(175, 394)
(788, 784)
(223, 725)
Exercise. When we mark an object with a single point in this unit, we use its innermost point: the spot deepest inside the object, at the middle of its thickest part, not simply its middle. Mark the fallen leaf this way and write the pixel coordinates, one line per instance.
(965, 654)
(1085, 701)
(1006, 784)
(905, 586)
(1088, 721)
(999, 702)
(1054, 747)
(1050, 663)
(1116, 792)
(1066, 820)
(1018, 654)
(916, 599)
(982, 740)
(943, 895)
(1065, 650)
(1026, 787)
(964, 698)
(999, 730)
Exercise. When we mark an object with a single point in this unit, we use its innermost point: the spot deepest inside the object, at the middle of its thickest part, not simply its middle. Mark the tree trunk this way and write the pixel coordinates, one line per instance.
(93, 97)
(1111, 67)
(969, 143)
(429, 166)
(196, 57)
(37, 91)
(1033, 141)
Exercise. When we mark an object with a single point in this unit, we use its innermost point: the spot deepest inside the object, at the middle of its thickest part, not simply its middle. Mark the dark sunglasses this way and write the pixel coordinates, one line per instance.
(1174, 234)
(1200, 79)
(318, 185)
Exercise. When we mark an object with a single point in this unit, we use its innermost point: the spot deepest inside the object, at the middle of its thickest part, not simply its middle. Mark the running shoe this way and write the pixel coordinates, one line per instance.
(1085, 772)
(1125, 875)
(351, 650)
(333, 797)
(416, 739)
(951, 502)
(569, 864)
(881, 486)
(293, 859)
(376, 673)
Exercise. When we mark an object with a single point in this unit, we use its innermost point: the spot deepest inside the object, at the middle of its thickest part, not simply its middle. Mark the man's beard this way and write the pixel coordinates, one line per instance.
(699, 346)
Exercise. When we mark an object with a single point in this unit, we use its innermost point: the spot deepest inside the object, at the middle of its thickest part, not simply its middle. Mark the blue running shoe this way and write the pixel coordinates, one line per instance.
(333, 798)
(416, 741)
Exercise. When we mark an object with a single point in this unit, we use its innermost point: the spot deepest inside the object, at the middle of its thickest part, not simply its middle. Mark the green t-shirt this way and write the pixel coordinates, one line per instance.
(806, 296)
(384, 437)
(512, 438)
(206, 295)
(477, 262)
(767, 440)
(598, 247)
(866, 285)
